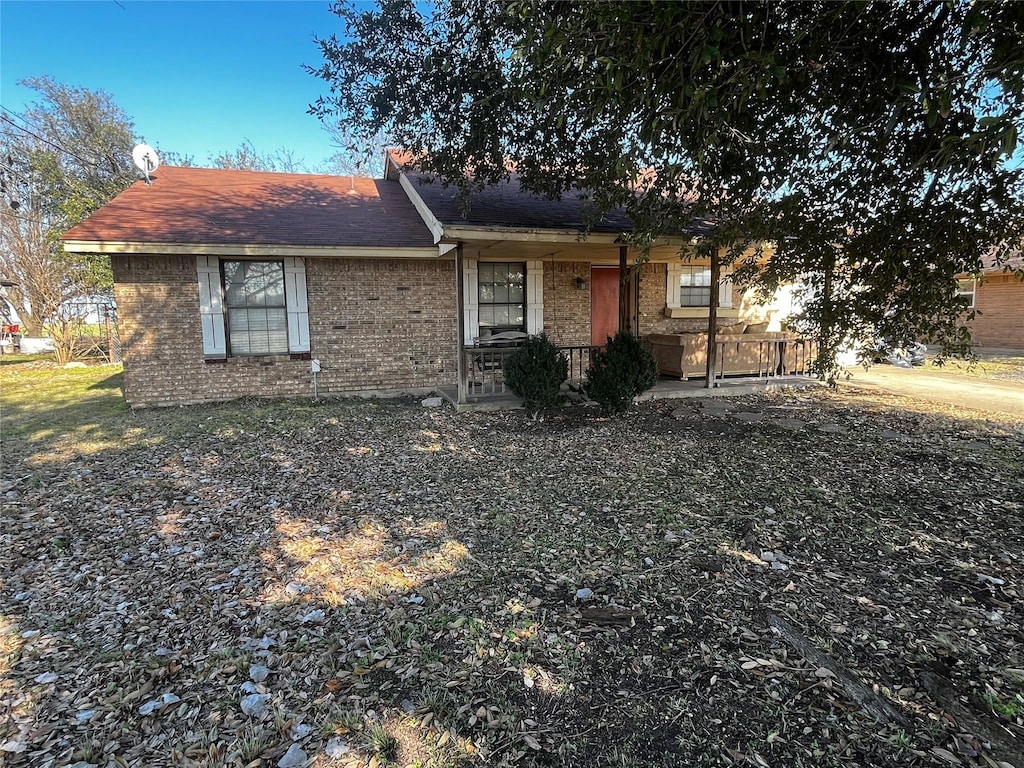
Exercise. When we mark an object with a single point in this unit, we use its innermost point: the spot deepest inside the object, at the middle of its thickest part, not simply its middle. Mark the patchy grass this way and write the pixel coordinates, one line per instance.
(1005, 367)
(43, 403)
(398, 586)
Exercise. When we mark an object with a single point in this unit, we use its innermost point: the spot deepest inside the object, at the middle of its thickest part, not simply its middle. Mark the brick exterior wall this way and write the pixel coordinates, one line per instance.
(566, 307)
(999, 301)
(384, 325)
(652, 306)
(375, 324)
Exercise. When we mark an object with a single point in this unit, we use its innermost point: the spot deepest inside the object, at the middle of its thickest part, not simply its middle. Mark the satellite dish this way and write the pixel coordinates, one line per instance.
(145, 159)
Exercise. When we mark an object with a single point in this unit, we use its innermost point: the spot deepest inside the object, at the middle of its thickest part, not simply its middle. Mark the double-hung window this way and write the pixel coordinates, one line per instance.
(257, 314)
(967, 286)
(688, 289)
(695, 286)
(253, 307)
(501, 294)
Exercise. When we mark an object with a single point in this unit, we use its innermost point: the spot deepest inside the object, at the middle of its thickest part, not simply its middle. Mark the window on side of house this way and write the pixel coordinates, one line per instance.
(967, 286)
(695, 286)
(501, 295)
(255, 306)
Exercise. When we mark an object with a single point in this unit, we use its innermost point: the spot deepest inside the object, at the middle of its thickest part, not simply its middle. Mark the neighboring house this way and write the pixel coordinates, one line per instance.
(997, 296)
(8, 313)
(232, 283)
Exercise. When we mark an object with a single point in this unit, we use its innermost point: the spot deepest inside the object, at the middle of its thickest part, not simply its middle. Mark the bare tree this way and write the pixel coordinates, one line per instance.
(357, 154)
(60, 159)
(248, 158)
(28, 258)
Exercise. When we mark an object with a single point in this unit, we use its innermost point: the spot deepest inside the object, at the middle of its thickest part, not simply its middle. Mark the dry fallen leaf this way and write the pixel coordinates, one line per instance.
(180, 550)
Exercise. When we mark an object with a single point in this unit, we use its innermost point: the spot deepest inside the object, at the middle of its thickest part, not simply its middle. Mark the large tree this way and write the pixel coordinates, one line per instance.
(867, 142)
(64, 156)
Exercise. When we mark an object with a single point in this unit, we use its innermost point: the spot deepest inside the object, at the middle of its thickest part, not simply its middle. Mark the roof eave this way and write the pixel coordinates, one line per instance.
(251, 249)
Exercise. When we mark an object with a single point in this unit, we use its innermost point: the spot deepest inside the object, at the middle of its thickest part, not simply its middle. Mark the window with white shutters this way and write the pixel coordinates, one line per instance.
(253, 307)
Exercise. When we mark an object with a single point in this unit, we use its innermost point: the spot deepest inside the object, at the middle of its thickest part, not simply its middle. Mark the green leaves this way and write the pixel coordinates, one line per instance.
(619, 372)
(885, 130)
(535, 372)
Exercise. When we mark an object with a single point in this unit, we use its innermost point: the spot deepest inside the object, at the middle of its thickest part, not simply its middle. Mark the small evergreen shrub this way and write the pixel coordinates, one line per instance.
(535, 372)
(620, 372)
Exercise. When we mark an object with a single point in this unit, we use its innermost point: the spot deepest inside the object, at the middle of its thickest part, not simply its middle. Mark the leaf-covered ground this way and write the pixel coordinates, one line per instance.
(352, 582)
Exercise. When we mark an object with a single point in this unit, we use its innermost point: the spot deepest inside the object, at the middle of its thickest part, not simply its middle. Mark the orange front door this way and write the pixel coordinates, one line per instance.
(604, 304)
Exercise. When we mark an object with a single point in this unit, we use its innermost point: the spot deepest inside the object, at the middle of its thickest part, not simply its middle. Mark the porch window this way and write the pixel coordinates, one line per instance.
(501, 294)
(257, 313)
(688, 290)
(967, 286)
(695, 286)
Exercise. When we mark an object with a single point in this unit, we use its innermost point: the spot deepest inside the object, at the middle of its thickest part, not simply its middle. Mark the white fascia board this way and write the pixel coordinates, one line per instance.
(239, 249)
(390, 168)
(435, 227)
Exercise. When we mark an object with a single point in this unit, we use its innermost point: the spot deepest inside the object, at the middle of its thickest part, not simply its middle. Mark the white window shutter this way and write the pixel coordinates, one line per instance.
(725, 288)
(534, 297)
(672, 280)
(298, 308)
(470, 301)
(211, 309)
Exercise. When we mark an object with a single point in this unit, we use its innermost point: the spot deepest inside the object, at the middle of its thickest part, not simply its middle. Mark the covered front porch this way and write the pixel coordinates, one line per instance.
(767, 364)
(512, 284)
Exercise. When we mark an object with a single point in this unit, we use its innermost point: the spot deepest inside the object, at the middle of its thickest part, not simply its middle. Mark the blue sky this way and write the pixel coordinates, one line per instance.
(198, 78)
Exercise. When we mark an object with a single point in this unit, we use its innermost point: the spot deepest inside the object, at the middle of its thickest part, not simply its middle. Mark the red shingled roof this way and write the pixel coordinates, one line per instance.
(214, 206)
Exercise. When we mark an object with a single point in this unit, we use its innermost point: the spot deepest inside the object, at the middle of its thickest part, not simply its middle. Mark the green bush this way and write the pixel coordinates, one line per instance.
(535, 372)
(620, 372)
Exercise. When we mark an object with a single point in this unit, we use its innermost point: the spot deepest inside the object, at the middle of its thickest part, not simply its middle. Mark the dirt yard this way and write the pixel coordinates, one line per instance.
(803, 579)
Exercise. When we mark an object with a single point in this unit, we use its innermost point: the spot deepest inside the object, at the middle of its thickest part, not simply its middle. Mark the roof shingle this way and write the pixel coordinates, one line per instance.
(507, 204)
(216, 206)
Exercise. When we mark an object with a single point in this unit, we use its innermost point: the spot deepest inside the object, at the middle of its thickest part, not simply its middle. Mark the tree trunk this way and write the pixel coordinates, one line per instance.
(826, 342)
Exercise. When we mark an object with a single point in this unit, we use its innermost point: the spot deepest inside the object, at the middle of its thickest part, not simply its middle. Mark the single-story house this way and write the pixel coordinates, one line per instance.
(997, 297)
(239, 283)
